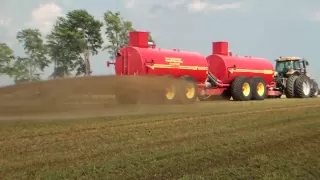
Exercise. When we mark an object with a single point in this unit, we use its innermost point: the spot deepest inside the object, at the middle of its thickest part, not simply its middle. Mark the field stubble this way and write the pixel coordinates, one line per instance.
(91, 138)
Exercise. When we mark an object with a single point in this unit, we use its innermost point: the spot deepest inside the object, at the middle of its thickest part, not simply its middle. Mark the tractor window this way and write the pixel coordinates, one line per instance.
(296, 65)
(283, 66)
(280, 67)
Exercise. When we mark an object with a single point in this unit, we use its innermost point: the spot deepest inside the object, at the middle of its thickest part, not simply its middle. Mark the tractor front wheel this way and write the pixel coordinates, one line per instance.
(290, 86)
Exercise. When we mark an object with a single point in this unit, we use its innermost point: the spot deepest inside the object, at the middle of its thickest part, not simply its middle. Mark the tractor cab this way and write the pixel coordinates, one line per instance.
(287, 66)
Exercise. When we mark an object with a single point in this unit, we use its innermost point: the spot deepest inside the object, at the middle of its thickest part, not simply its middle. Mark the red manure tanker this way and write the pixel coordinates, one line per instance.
(219, 75)
(138, 59)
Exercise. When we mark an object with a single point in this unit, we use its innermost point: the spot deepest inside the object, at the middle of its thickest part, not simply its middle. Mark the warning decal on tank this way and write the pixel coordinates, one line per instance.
(174, 62)
(232, 70)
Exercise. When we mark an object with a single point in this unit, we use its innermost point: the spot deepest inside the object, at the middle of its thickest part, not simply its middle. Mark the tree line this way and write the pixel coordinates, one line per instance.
(70, 45)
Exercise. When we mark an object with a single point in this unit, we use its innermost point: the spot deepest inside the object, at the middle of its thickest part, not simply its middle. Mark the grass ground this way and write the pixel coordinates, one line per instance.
(271, 139)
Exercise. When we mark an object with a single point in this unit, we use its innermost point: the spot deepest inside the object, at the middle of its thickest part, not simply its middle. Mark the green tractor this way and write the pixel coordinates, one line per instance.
(292, 78)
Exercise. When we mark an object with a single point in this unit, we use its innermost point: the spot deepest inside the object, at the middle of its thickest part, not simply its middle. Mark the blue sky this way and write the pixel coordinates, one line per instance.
(260, 28)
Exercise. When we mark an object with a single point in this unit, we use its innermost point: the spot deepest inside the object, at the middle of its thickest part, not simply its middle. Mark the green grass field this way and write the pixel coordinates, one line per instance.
(271, 139)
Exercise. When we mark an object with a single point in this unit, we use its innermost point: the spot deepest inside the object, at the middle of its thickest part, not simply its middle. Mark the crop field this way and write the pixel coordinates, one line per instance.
(89, 137)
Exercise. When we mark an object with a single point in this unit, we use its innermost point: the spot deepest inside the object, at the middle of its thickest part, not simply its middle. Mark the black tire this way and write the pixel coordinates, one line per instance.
(314, 89)
(290, 86)
(236, 88)
(303, 87)
(188, 90)
(258, 84)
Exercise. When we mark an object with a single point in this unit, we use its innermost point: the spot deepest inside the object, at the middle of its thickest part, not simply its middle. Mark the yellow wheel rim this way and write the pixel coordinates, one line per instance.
(190, 91)
(260, 89)
(170, 93)
(246, 89)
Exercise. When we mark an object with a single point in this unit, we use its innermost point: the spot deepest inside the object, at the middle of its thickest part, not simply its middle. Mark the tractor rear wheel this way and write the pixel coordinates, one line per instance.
(303, 87)
(189, 90)
(290, 86)
(241, 89)
(315, 89)
(259, 88)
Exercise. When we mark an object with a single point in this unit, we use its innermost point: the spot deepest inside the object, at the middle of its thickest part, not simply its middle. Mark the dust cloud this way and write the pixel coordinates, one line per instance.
(81, 96)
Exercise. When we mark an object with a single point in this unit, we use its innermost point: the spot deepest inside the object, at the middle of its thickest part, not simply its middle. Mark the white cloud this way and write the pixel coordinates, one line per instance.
(315, 16)
(5, 22)
(221, 7)
(45, 16)
(191, 5)
(129, 4)
(197, 5)
(205, 5)
(177, 3)
(141, 4)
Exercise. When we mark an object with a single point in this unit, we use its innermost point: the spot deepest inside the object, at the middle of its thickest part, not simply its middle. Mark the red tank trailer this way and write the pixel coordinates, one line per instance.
(220, 74)
(226, 67)
(257, 75)
(138, 59)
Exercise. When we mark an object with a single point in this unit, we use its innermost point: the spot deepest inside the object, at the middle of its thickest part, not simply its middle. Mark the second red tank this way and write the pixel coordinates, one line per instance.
(226, 67)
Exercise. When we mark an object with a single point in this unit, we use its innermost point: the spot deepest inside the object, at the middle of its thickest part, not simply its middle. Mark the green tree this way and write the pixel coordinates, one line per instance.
(78, 34)
(61, 57)
(20, 71)
(6, 57)
(36, 60)
(15, 67)
(117, 32)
